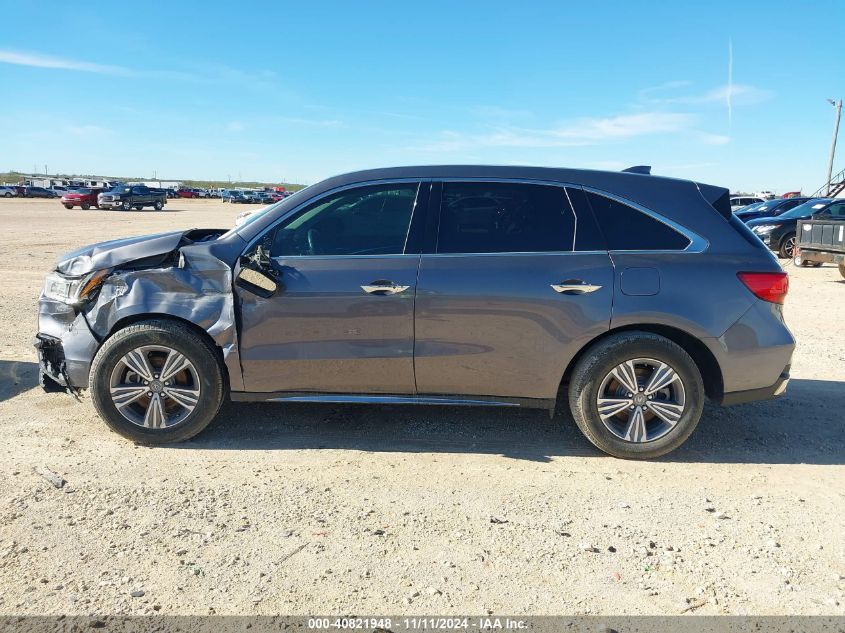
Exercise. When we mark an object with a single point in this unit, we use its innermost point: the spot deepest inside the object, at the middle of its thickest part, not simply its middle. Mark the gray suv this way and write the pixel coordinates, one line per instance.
(632, 297)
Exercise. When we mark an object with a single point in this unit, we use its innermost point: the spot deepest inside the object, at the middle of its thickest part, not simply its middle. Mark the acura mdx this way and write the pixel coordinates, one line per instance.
(630, 297)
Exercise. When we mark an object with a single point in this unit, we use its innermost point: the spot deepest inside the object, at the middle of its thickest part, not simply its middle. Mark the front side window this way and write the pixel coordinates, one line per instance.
(628, 229)
(370, 220)
(496, 217)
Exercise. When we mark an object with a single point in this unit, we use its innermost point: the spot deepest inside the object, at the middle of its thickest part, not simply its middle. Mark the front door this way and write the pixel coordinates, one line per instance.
(517, 283)
(342, 320)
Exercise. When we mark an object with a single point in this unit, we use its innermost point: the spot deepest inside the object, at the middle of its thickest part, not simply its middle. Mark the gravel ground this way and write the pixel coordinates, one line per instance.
(306, 509)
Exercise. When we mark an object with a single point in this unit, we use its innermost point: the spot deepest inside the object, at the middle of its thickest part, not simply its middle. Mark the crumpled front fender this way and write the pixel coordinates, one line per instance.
(198, 291)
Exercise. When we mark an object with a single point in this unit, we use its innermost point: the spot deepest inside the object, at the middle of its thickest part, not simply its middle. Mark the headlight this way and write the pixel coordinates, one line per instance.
(765, 228)
(74, 290)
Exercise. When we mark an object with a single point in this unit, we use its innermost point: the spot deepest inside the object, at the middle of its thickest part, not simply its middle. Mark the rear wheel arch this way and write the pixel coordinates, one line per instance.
(708, 366)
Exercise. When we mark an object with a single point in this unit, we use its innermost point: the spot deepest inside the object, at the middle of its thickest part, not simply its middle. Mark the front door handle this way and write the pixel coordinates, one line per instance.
(383, 288)
(574, 287)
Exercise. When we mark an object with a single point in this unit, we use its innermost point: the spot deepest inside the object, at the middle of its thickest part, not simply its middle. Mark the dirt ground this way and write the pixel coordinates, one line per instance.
(314, 509)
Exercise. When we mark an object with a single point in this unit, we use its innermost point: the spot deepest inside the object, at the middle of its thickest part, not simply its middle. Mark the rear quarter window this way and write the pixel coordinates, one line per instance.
(628, 229)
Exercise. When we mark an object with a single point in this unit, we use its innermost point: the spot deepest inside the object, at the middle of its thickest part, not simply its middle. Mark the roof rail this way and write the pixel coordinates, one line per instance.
(638, 169)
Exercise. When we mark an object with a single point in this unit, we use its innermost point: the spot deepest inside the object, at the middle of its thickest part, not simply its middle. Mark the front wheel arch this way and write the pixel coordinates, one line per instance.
(708, 366)
(155, 316)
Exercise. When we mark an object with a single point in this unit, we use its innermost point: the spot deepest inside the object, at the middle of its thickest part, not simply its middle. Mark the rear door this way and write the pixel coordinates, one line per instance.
(343, 320)
(514, 282)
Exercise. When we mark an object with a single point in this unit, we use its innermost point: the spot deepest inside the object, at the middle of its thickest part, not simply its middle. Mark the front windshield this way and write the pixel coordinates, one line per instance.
(807, 209)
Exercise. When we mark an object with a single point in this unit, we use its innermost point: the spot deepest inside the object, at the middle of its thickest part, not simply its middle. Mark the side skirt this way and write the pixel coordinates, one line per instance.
(356, 398)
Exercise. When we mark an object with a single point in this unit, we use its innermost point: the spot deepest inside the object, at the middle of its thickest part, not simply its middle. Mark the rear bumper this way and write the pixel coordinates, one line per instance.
(762, 393)
(754, 355)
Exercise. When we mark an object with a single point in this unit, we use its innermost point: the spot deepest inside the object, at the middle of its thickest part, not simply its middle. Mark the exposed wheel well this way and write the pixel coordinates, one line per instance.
(137, 318)
(711, 373)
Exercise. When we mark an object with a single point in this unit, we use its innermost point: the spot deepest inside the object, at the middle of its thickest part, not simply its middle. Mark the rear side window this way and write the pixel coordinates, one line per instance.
(490, 217)
(627, 229)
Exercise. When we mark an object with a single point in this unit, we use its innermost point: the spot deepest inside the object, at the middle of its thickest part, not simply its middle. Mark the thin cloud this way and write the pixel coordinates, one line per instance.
(585, 131)
(46, 61)
(730, 94)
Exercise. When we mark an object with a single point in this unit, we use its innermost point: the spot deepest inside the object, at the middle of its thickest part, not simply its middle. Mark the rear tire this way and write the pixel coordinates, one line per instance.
(656, 427)
(111, 377)
(158, 205)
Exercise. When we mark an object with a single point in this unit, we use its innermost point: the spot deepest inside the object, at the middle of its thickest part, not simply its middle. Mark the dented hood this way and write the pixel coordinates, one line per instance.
(116, 252)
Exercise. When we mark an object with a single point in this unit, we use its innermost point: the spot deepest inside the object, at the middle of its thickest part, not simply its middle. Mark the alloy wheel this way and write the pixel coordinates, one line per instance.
(641, 400)
(789, 246)
(154, 386)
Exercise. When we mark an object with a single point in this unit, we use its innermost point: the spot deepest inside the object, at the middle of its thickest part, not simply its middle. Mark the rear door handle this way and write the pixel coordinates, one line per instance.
(383, 288)
(574, 287)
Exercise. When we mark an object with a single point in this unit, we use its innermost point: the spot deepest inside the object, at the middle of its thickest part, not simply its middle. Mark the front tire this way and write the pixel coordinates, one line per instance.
(126, 206)
(787, 246)
(157, 382)
(636, 395)
(85, 206)
(68, 206)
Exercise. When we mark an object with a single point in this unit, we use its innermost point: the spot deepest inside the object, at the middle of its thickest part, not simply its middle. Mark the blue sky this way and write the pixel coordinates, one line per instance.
(732, 93)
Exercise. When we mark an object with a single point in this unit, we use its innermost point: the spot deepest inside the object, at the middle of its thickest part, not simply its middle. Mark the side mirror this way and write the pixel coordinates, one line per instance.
(257, 282)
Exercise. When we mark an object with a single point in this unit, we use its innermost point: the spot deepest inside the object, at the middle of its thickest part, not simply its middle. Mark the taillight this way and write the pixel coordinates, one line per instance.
(766, 286)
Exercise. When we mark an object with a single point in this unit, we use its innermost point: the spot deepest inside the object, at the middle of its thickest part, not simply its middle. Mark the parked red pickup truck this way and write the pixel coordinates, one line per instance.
(84, 197)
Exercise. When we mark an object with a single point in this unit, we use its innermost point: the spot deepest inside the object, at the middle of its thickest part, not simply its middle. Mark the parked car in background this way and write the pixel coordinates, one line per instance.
(8, 192)
(768, 208)
(187, 193)
(128, 197)
(743, 201)
(765, 194)
(461, 285)
(59, 190)
(234, 196)
(38, 192)
(82, 197)
(779, 232)
(263, 197)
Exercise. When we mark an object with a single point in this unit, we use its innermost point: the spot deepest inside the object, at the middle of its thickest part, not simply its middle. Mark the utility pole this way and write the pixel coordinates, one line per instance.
(838, 107)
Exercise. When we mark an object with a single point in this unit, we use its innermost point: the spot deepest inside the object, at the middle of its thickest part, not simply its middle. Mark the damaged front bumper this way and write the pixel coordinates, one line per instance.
(65, 345)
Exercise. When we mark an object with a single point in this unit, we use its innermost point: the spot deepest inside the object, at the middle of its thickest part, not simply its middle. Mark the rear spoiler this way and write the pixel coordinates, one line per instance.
(718, 197)
(638, 169)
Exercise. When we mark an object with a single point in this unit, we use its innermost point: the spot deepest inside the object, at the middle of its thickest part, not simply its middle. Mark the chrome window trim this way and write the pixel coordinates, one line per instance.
(317, 198)
(697, 243)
